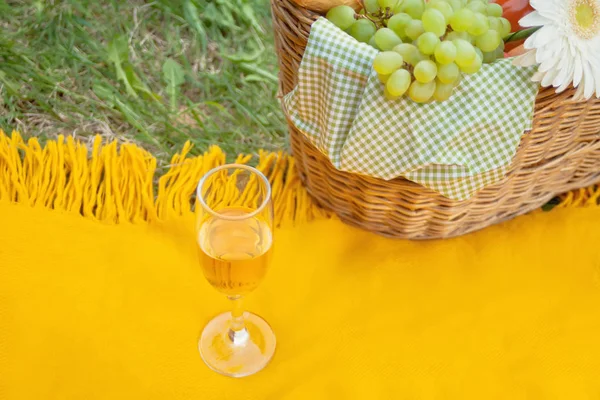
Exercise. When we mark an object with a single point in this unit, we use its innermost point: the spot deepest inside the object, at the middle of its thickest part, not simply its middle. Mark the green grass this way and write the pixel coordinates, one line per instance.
(157, 73)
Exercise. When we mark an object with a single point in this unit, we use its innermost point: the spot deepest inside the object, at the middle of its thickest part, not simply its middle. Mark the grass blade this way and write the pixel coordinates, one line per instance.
(174, 77)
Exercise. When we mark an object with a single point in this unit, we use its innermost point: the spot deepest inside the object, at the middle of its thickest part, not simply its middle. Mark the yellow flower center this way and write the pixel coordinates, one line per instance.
(585, 17)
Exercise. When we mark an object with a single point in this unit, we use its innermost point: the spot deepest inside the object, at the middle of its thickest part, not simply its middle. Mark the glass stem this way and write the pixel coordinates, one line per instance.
(237, 330)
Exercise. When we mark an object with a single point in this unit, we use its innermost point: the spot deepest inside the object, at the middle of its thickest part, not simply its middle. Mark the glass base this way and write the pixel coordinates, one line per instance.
(237, 354)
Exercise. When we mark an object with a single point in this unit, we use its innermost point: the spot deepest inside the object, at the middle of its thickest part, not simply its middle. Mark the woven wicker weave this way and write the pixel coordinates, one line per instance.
(560, 153)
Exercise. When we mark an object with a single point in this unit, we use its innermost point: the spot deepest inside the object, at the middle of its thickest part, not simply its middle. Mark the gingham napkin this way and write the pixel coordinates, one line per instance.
(455, 147)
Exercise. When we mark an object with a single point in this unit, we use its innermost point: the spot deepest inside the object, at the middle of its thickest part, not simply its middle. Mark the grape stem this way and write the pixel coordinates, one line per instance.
(520, 35)
(379, 18)
(448, 30)
(366, 14)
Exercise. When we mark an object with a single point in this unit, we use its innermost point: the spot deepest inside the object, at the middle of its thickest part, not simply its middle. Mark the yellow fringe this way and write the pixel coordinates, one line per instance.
(584, 197)
(117, 183)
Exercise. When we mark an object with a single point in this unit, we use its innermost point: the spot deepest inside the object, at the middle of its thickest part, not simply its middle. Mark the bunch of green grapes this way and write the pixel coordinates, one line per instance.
(426, 46)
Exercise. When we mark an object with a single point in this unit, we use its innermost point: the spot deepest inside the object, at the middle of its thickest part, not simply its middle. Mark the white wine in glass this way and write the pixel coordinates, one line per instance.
(235, 241)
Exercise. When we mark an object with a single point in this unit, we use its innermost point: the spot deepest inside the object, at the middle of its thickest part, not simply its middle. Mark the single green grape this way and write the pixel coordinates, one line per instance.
(421, 92)
(474, 67)
(489, 57)
(448, 73)
(489, 41)
(456, 5)
(495, 23)
(383, 78)
(500, 50)
(480, 25)
(462, 20)
(362, 30)
(467, 37)
(458, 81)
(372, 6)
(505, 27)
(427, 43)
(445, 52)
(414, 29)
(372, 43)
(409, 53)
(443, 7)
(465, 52)
(477, 7)
(461, 35)
(414, 8)
(479, 52)
(453, 35)
(383, 4)
(387, 62)
(386, 39)
(422, 57)
(425, 71)
(341, 16)
(399, 82)
(443, 91)
(434, 21)
(398, 22)
(494, 10)
(387, 94)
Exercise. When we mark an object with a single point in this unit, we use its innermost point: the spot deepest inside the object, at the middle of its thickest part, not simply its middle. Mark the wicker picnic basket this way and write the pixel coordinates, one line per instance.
(560, 153)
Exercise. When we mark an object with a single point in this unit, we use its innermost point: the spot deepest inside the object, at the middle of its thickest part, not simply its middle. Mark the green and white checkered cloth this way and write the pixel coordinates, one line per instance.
(455, 147)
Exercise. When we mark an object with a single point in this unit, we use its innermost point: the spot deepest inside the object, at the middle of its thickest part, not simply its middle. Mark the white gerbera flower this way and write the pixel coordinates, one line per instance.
(566, 47)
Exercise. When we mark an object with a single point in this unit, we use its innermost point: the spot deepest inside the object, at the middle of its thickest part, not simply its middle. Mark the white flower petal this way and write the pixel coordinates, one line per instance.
(579, 93)
(538, 76)
(540, 4)
(596, 78)
(565, 59)
(589, 82)
(578, 71)
(544, 53)
(526, 59)
(550, 63)
(544, 37)
(549, 78)
(594, 47)
(530, 41)
(550, 9)
(563, 87)
(596, 63)
(564, 77)
(533, 19)
(594, 56)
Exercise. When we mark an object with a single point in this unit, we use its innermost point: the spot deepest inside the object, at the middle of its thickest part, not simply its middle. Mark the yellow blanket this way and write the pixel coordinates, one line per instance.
(93, 309)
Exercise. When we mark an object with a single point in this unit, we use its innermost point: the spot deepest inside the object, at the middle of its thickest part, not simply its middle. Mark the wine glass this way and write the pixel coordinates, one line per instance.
(234, 231)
